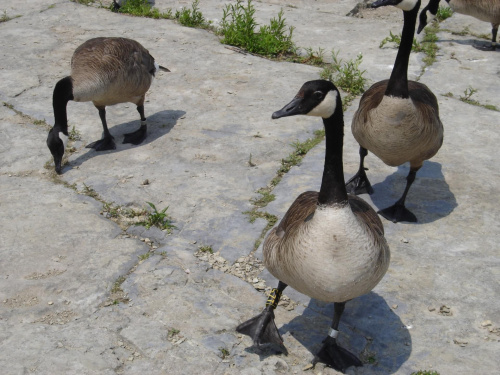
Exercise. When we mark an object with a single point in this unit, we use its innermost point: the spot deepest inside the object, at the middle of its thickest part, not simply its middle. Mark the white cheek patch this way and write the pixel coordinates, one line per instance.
(430, 16)
(407, 4)
(326, 108)
(64, 138)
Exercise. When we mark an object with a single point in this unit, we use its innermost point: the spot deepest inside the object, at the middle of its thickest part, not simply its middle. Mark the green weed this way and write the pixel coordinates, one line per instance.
(345, 75)
(159, 219)
(311, 57)
(467, 98)
(425, 372)
(224, 353)
(191, 17)
(173, 332)
(89, 191)
(74, 135)
(206, 249)
(4, 18)
(396, 39)
(266, 197)
(141, 8)
(238, 29)
(117, 286)
(143, 257)
(443, 13)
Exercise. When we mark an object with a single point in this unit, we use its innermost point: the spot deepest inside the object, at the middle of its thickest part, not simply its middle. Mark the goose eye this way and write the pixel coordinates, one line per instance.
(318, 95)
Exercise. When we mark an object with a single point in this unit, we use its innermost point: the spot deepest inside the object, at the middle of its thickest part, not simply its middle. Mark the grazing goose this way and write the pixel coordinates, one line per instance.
(329, 245)
(397, 120)
(106, 71)
(484, 10)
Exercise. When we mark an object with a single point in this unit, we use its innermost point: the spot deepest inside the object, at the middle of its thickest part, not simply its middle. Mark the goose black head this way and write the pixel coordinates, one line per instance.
(315, 98)
(427, 15)
(405, 5)
(56, 147)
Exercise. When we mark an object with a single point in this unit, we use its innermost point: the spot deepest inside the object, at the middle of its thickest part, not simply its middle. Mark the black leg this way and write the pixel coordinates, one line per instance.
(140, 134)
(398, 212)
(492, 46)
(262, 328)
(106, 142)
(331, 353)
(359, 183)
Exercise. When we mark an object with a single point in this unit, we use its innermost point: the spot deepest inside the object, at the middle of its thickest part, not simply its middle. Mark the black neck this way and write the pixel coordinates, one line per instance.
(398, 83)
(333, 189)
(63, 92)
(433, 6)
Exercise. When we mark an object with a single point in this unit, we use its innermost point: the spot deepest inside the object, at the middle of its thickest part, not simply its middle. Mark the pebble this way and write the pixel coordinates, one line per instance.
(430, 308)
(486, 323)
(405, 240)
(145, 182)
(50, 303)
(394, 307)
(308, 367)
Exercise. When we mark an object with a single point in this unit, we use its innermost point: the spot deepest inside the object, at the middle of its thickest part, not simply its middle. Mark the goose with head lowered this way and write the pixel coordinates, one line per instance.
(106, 71)
(484, 10)
(397, 119)
(329, 245)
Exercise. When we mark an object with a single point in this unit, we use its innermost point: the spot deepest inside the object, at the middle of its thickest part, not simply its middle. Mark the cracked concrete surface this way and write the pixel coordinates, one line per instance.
(64, 262)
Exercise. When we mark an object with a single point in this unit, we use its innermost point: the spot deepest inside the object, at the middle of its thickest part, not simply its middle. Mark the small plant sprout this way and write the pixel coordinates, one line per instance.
(469, 91)
(206, 249)
(159, 219)
(74, 135)
(224, 353)
(142, 8)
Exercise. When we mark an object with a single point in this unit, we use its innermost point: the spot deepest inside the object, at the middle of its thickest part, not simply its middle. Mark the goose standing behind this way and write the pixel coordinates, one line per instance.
(106, 71)
(484, 10)
(329, 245)
(397, 120)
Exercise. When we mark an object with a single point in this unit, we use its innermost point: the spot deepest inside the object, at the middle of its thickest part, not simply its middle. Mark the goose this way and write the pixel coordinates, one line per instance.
(106, 71)
(484, 10)
(329, 245)
(397, 120)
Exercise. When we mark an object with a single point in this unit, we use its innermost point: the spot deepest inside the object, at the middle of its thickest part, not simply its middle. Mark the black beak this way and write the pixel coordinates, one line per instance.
(291, 109)
(381, 3)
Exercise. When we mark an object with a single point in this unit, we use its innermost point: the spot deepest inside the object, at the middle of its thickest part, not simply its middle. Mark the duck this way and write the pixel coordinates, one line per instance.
(106, 71)
(484, 10)
(397, 120)
(329, 245)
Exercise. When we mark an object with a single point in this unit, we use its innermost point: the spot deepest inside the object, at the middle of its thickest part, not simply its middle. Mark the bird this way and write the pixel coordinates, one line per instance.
(106, 71)
(329, 245)
(484, 10)
(397, 120)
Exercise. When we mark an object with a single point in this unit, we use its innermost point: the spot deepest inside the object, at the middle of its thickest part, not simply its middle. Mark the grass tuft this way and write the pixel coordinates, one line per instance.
(142, 8)
(238, 29)
(159, 219)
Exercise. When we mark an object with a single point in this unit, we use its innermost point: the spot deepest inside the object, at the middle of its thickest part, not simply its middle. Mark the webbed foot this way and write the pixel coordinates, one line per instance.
(262, 329)
(136, 137)
(397, 213)
(359, 184)
(335, 356)
(104, 144)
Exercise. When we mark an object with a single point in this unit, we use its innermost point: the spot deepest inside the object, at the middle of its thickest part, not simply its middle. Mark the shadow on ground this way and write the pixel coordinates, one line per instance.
(159, 124)
(369, 329)
(429, 198)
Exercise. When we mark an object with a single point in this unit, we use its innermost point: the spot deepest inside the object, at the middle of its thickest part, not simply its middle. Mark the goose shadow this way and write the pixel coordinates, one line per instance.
(476, 43)
(159, 124)
(429, 198)
(369, 329)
